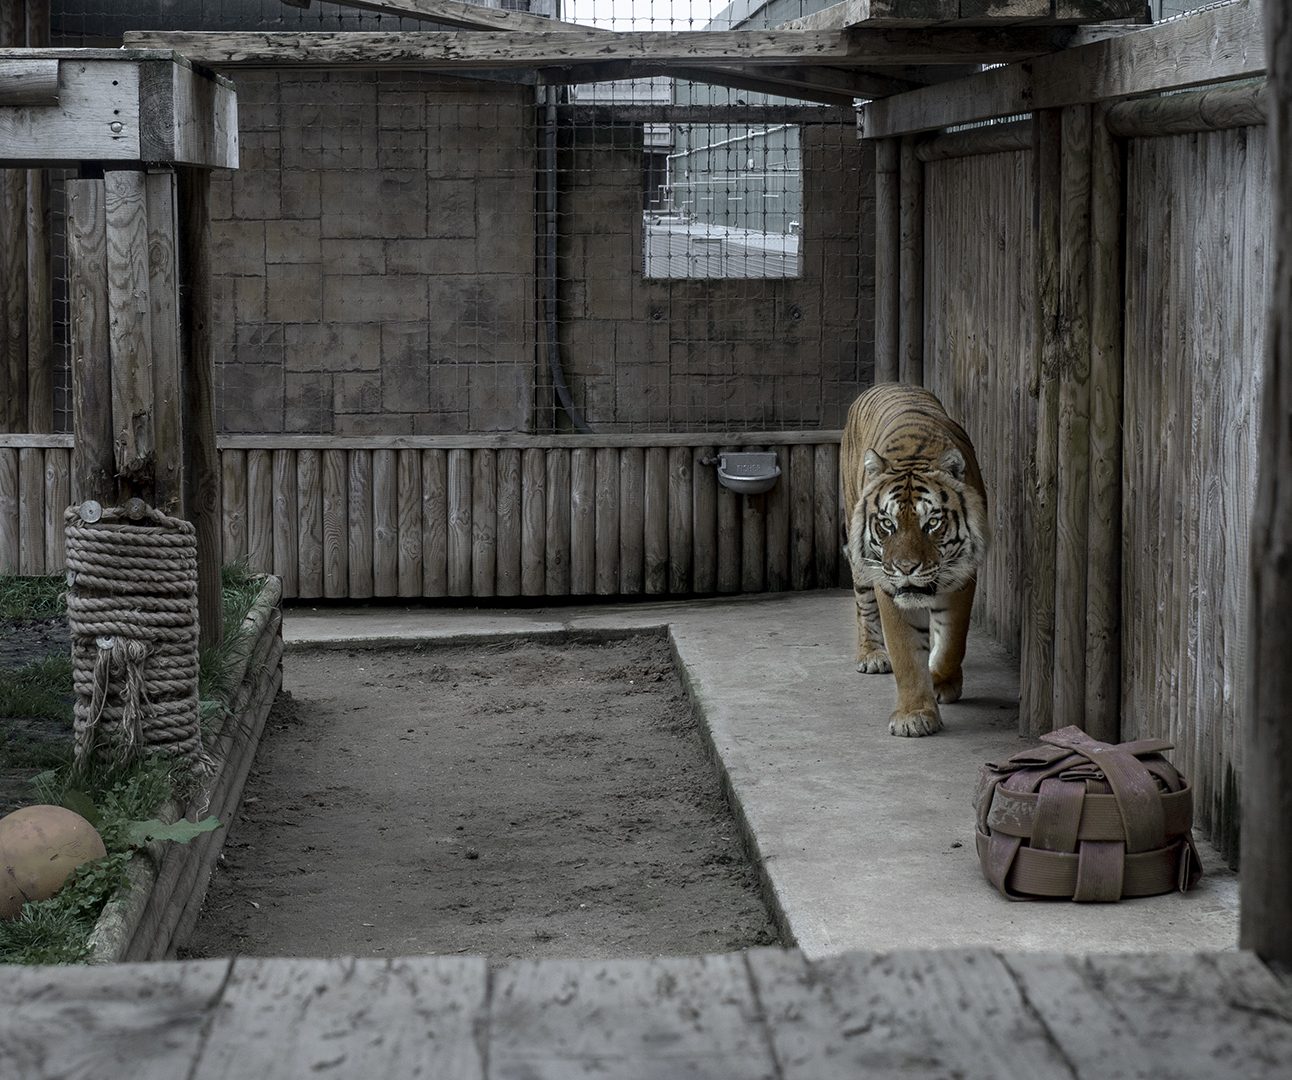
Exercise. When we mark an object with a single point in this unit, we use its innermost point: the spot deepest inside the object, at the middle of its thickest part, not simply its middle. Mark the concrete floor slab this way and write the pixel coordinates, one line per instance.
(866, 839)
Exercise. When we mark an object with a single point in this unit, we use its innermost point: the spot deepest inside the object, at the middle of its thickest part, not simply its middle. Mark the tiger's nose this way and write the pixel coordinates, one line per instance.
(906, 566)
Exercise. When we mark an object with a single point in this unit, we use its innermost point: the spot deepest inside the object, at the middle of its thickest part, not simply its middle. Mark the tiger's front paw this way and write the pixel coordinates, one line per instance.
(912, 725)
(874, 662)
(948, 689)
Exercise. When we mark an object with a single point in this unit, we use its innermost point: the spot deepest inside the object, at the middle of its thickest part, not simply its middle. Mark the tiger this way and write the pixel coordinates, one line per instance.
(916, 534)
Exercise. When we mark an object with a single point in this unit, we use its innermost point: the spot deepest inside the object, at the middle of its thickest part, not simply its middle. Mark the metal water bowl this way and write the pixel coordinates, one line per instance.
(749, 472)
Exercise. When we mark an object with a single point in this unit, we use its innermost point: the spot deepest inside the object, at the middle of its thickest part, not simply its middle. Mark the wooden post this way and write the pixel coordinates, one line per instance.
(1266, 912)
(93, 467)
(1037, 668)
(167, 385)
(40, 316)
(887, 259)
(911, 266)
(202, 463)
(1072, 506)
(1103, 563)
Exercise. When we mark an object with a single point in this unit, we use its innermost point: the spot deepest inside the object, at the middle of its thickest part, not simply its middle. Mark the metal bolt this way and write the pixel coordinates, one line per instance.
(90, 511)
(116, 127)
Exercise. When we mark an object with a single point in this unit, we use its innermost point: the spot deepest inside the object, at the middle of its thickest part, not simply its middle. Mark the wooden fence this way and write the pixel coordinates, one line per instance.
(508, 516)
(1104, 353)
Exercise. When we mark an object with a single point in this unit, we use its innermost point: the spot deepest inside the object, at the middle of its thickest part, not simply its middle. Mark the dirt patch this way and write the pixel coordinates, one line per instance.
(518, 800)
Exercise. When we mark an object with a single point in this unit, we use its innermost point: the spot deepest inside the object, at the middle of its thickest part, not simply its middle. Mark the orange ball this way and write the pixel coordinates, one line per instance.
(40, 846)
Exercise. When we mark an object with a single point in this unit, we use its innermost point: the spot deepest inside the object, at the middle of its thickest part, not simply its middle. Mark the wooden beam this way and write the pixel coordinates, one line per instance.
(887, 260)
(28, 82)
(966, 13)
(850, 82)
(749, 79)
(167, 368)
(992, 139)
(436, 51)
(1213, 45)
(462, 15)
(1182, 114)
(754, 115)
(910, 335)
(1266, 871)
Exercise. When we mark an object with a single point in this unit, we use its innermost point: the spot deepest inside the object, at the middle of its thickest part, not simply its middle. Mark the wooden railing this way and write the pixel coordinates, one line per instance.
(484, 516)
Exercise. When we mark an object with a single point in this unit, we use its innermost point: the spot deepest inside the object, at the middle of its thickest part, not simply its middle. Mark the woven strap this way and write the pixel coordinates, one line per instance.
(1021, 872)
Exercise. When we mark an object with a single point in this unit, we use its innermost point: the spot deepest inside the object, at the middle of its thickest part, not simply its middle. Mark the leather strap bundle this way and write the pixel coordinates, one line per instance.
(1086, 820)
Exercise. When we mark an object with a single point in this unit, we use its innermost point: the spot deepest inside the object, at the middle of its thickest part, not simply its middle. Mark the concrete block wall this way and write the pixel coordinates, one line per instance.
(374, 257)
(646, 355)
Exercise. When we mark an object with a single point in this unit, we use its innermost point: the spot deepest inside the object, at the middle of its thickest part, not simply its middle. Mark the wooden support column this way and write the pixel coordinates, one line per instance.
(910, 362)
(1073, 496)
(40, 318)
(887, 259)
(1103, 561)
(93, 464)
(1037, 689)
(202, 463)
(13, 261)
(1266, 912)
(167, 381)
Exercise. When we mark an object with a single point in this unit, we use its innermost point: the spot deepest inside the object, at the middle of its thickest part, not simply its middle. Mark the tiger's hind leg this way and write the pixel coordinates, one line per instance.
(950, 632)
(872, 657)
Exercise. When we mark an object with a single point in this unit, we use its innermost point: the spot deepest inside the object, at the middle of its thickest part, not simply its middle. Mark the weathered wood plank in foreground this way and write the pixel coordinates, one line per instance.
(967, 1013)
(488, 50)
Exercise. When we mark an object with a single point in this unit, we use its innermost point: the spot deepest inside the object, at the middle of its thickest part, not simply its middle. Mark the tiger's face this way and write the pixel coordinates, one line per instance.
(917, 532)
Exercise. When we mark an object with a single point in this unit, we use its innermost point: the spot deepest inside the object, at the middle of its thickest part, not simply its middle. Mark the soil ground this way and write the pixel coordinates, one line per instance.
(518, 800)
(27, 741)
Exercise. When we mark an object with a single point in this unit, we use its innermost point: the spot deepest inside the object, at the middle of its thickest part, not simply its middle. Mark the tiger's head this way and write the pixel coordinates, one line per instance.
(918, 531)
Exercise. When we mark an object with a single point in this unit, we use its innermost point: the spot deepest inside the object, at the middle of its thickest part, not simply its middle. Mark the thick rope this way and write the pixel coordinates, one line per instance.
(132, 611)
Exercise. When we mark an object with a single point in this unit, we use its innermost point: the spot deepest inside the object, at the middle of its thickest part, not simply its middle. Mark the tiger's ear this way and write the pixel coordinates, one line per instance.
(875, 465)
(953, 462)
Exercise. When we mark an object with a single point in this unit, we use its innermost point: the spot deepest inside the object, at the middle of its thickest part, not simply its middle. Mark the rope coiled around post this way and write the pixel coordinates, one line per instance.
(132, 612)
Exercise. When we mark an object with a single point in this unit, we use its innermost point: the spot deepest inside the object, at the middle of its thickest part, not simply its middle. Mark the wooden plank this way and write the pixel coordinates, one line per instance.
(1103, 565)
(286, 522)
(1213, 45)
(1072, 500)
(419, 1012)
(1037, 669)
(40, 301)
(13, 299)
(93, 464)
(728, 536)
(233, 511)
(202, 468)
(55, 499)
(186, 116)
(778, 526)
(359, 523)
(992, 139)
(704, 518)
(435, 523)
(10, 562)
(632, 518)
(680, 522)
(130, 331)
(41, 439)
(309, 523)
(583, 521)
(162, 223)
(336, 533)
(260, 512)
(533, 527)
(887, 261)
(96, 118)
(468, 16)
(607, 522)
(556, 558)
(28, 82)
(1168, 1015)
(385, 523)
(590, 115)
(509, 523)
(466, 49)
(921, 1014)
(910, 261)
(825, 526)
(655, 544)
(460, 539)
(484, 522)
(802, 519)
(147, 1021)
(409, 521)
(569, 1018)
(753, 543)
(1181, 114)
(1267, 774)
(31, 511)
(503, 440)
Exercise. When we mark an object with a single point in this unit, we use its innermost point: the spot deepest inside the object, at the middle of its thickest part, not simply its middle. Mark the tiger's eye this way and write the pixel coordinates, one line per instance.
(884, 526)
(933, 524)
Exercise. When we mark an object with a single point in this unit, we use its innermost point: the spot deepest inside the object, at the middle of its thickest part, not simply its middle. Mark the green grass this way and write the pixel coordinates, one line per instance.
(32, 597)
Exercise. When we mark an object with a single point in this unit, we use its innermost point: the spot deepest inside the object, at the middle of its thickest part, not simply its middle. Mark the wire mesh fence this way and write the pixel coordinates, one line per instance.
(411, 253)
